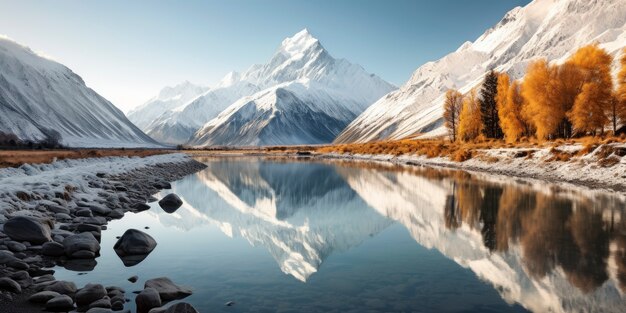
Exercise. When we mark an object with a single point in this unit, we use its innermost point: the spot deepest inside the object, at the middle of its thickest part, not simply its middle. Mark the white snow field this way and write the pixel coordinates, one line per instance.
(39, 96)
(551, 29)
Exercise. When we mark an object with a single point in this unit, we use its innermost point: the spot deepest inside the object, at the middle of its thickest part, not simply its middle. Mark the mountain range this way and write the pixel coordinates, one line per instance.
(40, 99)
(551, 29)
(301, 96)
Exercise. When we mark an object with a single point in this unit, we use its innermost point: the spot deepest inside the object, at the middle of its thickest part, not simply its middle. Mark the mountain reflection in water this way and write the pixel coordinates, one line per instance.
(539, 245)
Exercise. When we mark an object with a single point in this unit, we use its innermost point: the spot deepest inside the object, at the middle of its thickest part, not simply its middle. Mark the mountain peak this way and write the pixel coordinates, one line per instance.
(298, 43)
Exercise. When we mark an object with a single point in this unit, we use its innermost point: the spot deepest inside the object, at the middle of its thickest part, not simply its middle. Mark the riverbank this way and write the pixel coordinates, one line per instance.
(17, 157)
(45, 204)
(595, 166)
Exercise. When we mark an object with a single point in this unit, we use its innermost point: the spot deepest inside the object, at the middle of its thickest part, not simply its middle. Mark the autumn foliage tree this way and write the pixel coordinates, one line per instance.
(541, 91)
(511, 109)
(592, 105)
(470, 122)
(452, 111)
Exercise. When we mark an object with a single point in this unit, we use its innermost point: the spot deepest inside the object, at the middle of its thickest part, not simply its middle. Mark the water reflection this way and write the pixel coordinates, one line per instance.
(545, 247)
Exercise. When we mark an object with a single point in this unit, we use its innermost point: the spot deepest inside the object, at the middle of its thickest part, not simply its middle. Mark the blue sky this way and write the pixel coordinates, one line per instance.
(128, 50)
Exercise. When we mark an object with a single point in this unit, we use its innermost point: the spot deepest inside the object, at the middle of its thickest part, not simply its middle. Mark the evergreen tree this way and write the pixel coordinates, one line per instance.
(489, 107)
(452, 111)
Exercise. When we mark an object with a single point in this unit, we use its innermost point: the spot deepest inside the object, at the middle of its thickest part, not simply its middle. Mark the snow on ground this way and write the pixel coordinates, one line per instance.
(584, 170)
(56, 176)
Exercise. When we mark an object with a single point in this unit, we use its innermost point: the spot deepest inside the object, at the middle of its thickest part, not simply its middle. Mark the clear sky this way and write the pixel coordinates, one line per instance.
(128, 50)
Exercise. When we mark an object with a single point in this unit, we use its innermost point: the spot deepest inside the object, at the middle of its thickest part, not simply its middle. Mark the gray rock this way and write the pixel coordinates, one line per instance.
(62, 287)
(133, 279)
(170, 203)
(81, 246)
(20, 265)
(167, 289)
(134, 242)
(15, 246)
(140, 207)
(181, 307)
(23, 228)
(117, 213)
(62, 217)
(62, 303)
(147, 299)
(84, 213)
(43, 296)
(89, 294)
(10, 285)
(88, 227)
(7, 257)
(53, 248)
(102, 303)
(100, 310)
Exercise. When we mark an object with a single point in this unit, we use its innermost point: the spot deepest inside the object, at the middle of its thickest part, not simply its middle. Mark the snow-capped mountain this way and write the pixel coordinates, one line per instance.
(305, 97)
(176, 124)
(169, 98)
(544, 28)
(40, 97)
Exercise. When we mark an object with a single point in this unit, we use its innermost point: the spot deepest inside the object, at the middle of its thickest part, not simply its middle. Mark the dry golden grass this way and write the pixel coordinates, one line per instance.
(15, 158)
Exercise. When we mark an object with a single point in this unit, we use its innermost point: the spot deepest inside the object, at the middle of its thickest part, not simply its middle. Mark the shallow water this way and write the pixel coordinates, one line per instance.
(286, 236)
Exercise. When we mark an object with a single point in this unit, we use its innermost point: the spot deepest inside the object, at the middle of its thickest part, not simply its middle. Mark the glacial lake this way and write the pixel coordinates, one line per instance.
(278, 235)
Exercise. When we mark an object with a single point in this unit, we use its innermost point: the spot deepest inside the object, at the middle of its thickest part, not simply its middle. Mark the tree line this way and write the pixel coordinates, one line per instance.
(575, 98)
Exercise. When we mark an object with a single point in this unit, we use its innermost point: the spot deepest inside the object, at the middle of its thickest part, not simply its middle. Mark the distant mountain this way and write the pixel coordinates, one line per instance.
(544, 28)
(40, 98)
(306, 97)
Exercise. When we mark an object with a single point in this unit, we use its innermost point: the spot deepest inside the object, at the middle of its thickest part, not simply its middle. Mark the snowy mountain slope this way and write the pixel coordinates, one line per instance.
(39, 96)
(306, 97)
(544, 28)
(179, 124)
(169, 98)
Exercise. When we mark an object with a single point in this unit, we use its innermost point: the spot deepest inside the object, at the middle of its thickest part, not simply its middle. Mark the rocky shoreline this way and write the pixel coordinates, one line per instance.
(55, 218)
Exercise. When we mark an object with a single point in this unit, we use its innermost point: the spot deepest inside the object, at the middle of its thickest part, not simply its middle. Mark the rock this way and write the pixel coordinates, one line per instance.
(62, 217)
(140, 207)
(62, 303)
(147, 299)
(43, 296)
(62, 287)
(230, 303)
(102, 303)
(81, 246)
(100, 310)
(15, 246)
(84, 213)
(10, 285)
(19, 265)
(181, 307)
(88, 227)
(89, 294)
(22, 278)
(7, 257)
(116, 214)
(117, 305)
(133, 279)
(52, 248)
(134, 242)
(23, 228)
(167, 289)
(80, 265)
(158, 310)
(170, 203)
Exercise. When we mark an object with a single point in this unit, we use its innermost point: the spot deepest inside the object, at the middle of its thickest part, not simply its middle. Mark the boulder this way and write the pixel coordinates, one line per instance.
(10, 285)
(15, 246)
(81, 246)
(134, 242)
(147, 299)
(170, 203)
(62, 303)
(52, 248)
(90, 293)
(104, 303)
(181, 307)
(25, 228)
(99, 310)
(43, 296)
(62, 287)
(167, 289)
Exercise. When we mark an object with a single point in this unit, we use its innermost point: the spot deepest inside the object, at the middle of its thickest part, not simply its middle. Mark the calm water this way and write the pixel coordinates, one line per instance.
(278, 236)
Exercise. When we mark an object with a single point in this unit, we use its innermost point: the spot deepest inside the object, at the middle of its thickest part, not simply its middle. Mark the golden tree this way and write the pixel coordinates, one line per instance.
(511, 109)
(541, 89)
(470, 122)
(452, 111)
(592, 105)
